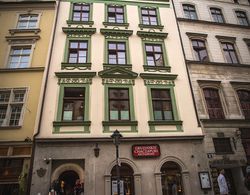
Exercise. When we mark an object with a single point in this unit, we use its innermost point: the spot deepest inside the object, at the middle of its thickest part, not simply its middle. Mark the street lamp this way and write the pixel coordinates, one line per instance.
(116, 140)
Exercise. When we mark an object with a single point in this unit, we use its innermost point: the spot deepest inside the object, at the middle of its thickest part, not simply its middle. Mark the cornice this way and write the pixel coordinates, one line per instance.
(116, 32)
(39, 4)
(225, 123)
(158, 76)
(22, 38)
(190, 62)
(194, 35)
(158, 35)
(75, 74)
(79, 30)
(14, 70)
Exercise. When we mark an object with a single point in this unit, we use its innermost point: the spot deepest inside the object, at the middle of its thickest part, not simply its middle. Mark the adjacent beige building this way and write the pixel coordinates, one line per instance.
(24, 38)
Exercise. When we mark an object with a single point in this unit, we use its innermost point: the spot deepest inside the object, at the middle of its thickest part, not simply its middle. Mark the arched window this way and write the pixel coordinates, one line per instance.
(244, 97)
(171, 179)
(126, 179)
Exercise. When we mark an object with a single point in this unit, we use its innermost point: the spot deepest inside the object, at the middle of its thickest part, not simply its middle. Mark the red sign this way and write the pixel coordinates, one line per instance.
(149, 150)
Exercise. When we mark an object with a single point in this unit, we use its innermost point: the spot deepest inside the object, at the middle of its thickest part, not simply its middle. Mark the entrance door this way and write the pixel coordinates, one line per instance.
(230, 182)
(69, 178)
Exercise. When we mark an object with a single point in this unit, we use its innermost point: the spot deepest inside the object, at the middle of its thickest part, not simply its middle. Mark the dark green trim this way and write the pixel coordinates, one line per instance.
(116, 32)
(165, 122)
(106, 24)
(119, 123)
(75, 74)
(73, 30)
(72, 66)
(190, 62)
(145, 34)
(71, 123)
(142, 26)
(117, 72)
(71, 22)
(158, 76)
(156, 68)
(126, 66)
(13, 70)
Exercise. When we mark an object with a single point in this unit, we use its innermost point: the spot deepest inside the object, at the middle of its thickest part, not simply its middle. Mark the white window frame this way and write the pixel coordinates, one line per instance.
(10, 102)
(28, 13)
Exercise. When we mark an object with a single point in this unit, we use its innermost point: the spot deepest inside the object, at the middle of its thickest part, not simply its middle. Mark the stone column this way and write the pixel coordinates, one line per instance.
(186, 183)
(158, 184)
(107, 184)
(137, 179)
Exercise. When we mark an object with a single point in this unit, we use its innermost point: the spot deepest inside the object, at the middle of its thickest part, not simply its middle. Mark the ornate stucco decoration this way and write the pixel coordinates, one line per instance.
(116, 33)
(75, 77)
(158, 79)
(152, 36)
(118, 81)
(79, 31)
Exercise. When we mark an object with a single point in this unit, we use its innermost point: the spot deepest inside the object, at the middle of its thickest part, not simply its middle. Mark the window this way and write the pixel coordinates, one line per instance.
(78, 51)
(214, 107)
(81, 12)
(154, 55)
(117, 53)
(162, 106)
(242, 17)
(27, 21)
(244, 97)
(217, 15)
(10, 169)
(73, 103)
(222, 145)
(119, 104)
(200, 50)
(115, 14)
(11, 106)
(189, 12)
(149, 16)
(229, 52)
(19, 57)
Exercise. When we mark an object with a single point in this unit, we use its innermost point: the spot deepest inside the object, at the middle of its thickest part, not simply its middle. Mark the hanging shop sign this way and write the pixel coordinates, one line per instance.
(146, 150)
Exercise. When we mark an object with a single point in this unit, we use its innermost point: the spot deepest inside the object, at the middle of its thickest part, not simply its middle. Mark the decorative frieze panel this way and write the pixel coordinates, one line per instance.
(158, 82)
(118, 81)
(74, 80)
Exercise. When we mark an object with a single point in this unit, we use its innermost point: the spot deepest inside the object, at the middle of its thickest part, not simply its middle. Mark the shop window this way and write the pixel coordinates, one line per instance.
(200, 51)
(242, 18)
(213, 102)
(217, 15)
(189, 11)
(126, 180)
(73, 104)
(27, 21)
(229, 52)
(222, 146)
(119, 108)
(244, 97)
(171, 179)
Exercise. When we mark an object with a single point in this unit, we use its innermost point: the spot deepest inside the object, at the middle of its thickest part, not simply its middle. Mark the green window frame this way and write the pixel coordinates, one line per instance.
(122, 24)
(82, 66)
(71, 21)
(158, 18)
(107, 122)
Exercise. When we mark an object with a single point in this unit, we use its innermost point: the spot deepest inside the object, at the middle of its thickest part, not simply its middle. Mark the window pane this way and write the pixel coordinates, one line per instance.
(124, 115)
(150, 61)
(112, 46)
(15, 115)
(158, 115)
(73, 44)
(158, 60)
(4, 96)
(152, 12)
(114, 115)
(149, 48)
(3, 110)
(168, 115)
(121, 46)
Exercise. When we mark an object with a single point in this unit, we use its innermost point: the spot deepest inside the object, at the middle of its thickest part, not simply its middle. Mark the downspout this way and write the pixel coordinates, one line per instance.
(189, 80)
(57, 7)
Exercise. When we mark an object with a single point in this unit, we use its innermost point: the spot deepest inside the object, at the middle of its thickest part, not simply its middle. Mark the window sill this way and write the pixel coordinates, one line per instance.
(156, 68)
(71, 22)
(71, 123)
(10, 127)
(21, 69)
(170, 122)
(115, 24)
(119, 123)
(218, 63)
(142, 26)
(30, 30)
(72, 66)
(107, 66)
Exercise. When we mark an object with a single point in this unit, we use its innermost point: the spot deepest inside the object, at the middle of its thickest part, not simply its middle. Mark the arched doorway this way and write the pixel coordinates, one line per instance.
(126, 178)
(171, 179)
(69, 178)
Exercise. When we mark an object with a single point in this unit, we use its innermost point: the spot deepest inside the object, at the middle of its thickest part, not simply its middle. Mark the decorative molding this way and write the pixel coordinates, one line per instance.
(79, 66)
(190, 62)
(106, 24)
(118, 81)
(142, 26)
(30, 30)
(225, 123)
(152, 36)
(11, 70)
(225, 38)
(71, 123)
(80, 30)
(156, 68)
(209, 81)
(47, 4)
(117, 72)
(14, 39)
(119, 123)
(165, 123)
(158, 76)
(196, 35)
(125, 66)
(75, 77)
(116, 33)
(247, 83)
(158, 82)
(80, 23)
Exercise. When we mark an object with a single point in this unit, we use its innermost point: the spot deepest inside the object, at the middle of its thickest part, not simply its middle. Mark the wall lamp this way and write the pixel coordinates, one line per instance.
(96, 150)
(47, 160)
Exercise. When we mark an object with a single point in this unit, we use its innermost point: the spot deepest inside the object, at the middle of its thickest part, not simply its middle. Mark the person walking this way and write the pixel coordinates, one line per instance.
(222, 183)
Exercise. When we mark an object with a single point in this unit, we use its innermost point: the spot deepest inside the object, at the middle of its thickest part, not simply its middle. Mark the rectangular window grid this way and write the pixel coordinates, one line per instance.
(11, 106)
(190, 12)
(229, 52)
(242, 17)
(19, 57)
(78, 51)
(162, 105)
(115, 14)
(222, 145)
(119, 108)
(73, 104)
(27, 21)
(213, 103)
(149, 16)
(117, 53)
(244, 97)
(200, 50)
(154, 55)
(217, 15)
(81, 12)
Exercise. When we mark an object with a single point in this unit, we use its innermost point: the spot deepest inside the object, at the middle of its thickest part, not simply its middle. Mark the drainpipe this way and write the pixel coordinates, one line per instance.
(45, 78)
(183, 51)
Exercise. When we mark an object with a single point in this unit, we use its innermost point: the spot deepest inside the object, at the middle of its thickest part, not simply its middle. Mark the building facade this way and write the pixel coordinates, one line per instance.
(24, 38)
(118, 65)
(215, 36)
